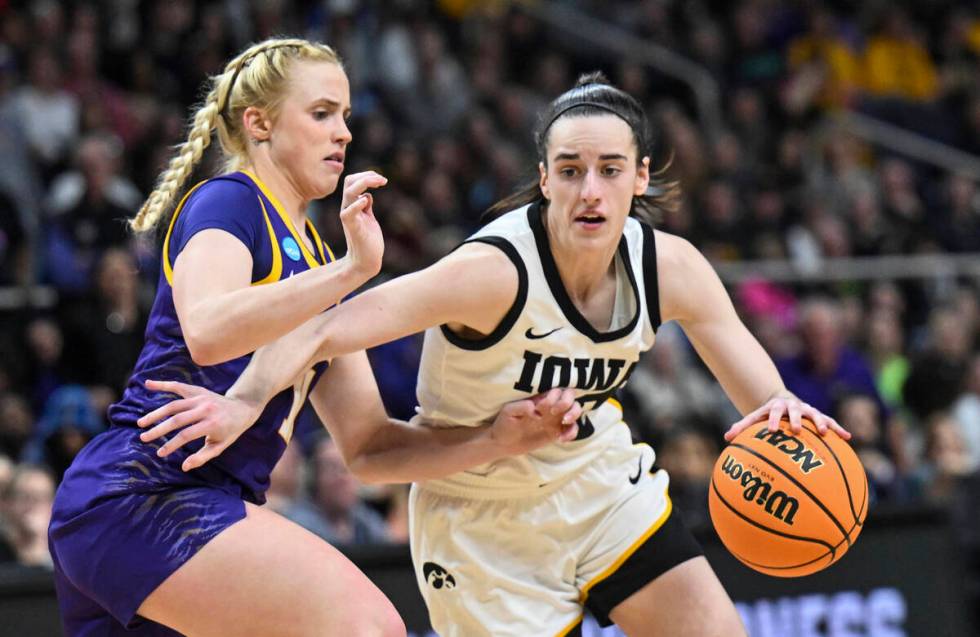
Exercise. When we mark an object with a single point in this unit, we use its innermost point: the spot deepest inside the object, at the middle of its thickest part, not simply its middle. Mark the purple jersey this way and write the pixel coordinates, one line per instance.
(240, 204)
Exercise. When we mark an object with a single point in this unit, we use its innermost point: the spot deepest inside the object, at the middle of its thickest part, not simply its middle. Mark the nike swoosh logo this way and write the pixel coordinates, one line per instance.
(639, 472)
(531, 335)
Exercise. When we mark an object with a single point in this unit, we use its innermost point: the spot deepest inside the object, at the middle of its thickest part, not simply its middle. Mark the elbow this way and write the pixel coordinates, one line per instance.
(204, 351)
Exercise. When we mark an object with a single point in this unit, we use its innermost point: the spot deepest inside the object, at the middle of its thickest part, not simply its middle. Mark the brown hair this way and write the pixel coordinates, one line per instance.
(594, 95)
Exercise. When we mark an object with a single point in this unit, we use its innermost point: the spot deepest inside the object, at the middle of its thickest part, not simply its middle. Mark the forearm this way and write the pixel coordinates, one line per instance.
(742, 367)
(405, 452)
(277, 365)
(230, 325)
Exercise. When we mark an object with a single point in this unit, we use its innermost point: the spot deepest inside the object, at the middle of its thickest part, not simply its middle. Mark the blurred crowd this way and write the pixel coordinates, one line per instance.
(94, 95)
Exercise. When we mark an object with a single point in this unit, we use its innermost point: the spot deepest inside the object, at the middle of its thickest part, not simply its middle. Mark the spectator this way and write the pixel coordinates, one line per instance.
(826, 369)
(339, 516)
(27, 511)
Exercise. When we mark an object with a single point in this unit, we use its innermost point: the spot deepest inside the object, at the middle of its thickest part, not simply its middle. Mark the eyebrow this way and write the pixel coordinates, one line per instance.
(574, 156)
(330, 102)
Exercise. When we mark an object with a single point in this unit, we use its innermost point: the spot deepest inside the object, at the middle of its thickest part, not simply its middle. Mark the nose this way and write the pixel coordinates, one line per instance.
(343, 134)
(591, 188)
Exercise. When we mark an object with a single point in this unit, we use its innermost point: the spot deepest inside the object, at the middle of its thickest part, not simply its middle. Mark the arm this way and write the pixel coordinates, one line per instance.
(474, 286)
(692, 294)
(222, 316)
(378, 449)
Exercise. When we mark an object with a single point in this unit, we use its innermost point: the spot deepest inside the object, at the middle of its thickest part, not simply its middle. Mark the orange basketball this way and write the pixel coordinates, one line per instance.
(788, 505)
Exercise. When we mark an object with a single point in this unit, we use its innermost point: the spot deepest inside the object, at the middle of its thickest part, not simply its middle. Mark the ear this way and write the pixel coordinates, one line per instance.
(543, 180)
(642, 177)
(258, 127)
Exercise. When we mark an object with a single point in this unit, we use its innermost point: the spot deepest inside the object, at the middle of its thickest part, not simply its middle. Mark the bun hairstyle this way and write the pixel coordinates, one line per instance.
(256, 77)
(592, 95)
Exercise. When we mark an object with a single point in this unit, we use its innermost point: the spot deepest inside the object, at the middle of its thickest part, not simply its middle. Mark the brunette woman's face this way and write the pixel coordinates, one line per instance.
(309, 137)
(591, 178)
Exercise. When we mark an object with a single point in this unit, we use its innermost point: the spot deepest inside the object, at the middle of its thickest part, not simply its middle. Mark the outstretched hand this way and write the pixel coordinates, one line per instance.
(525, 425)
(198, 413)
(789, 405)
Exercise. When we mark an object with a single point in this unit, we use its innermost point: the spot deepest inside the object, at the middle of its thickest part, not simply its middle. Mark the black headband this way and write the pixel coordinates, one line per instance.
(245, 61)
(603, 107)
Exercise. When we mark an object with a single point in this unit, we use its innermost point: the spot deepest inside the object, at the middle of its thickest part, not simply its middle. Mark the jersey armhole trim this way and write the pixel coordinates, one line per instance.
(275, 272)
(513, 313)
(650, 281)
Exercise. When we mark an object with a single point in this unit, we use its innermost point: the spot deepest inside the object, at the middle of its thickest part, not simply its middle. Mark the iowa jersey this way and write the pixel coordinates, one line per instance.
(240, 204)
(542, 342)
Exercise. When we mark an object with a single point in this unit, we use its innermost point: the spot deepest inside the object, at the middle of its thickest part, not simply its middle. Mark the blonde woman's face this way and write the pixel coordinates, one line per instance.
(309, 137)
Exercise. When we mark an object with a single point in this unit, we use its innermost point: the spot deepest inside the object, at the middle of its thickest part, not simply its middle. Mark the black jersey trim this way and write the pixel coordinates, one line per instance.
(558, 290)
(513, 313)
(650, 283)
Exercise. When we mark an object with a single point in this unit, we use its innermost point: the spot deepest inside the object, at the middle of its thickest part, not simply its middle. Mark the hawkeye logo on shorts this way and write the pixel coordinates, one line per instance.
(793, 447)
(438, 577)
(291, 248)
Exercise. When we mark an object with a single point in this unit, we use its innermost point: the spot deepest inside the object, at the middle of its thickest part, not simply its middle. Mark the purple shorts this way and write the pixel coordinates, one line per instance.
(123, 520)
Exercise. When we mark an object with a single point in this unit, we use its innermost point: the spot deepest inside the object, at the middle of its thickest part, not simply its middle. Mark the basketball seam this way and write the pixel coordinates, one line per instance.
(765, 528)
(847, 484)
(799, 485)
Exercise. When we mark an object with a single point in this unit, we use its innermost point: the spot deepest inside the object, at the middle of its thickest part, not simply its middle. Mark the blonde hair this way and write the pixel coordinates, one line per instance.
(256, 77)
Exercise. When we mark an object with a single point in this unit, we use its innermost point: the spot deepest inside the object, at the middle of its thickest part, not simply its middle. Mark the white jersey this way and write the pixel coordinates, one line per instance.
(542, 342)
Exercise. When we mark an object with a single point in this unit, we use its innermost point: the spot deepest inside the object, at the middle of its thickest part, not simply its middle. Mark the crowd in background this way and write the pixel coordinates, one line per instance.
(93, 97)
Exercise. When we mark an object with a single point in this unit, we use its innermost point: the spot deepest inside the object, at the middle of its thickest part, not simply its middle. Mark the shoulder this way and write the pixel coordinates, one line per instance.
(224, 193)
(689, 286)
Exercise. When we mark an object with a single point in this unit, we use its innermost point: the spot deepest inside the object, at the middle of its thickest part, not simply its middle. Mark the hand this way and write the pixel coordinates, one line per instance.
(784, 403)
(525, 425)
(199, 413)
(365, 243)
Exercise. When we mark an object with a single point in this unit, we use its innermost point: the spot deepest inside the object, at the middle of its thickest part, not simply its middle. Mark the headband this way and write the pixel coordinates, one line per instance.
(603, 107)
(245, 61)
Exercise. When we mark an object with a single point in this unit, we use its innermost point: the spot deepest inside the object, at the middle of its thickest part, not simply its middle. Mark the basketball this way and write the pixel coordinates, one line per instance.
(788, 505)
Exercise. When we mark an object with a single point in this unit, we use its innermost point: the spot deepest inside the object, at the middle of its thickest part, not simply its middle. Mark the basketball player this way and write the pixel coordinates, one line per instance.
(141, 547)
(566, 287)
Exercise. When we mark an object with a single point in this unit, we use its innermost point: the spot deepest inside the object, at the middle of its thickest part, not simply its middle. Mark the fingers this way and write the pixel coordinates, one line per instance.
(777, 408)
(182, 438)
(164, 412)
(173, 423)
(357, 184)
(545, 403)
(573, 414)
(566, 398)
(358, 205)
(203, 455)
(568, 432)
(519, 408)
(174, 387)
(795, 416)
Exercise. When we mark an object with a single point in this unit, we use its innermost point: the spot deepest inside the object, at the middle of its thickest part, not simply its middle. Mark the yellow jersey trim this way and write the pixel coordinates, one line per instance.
(318, 242)
(632, 549)
(310, 259)
(567, 629)
(167, 270)
(329, 251)
(275, 272)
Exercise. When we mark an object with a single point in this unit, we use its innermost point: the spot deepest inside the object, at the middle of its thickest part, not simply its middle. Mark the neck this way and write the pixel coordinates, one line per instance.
(281, 187)
(582, 269)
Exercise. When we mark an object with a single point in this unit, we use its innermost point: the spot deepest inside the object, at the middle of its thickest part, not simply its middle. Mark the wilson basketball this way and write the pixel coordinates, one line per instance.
(788, 505)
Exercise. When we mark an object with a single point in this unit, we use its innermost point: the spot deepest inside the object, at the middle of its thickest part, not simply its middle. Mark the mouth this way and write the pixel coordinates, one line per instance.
(590, 220)
(335, 158)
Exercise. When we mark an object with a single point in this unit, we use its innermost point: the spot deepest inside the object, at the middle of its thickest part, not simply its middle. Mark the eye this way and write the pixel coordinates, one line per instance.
(611, 171)
(568, 171)
(320, 114)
